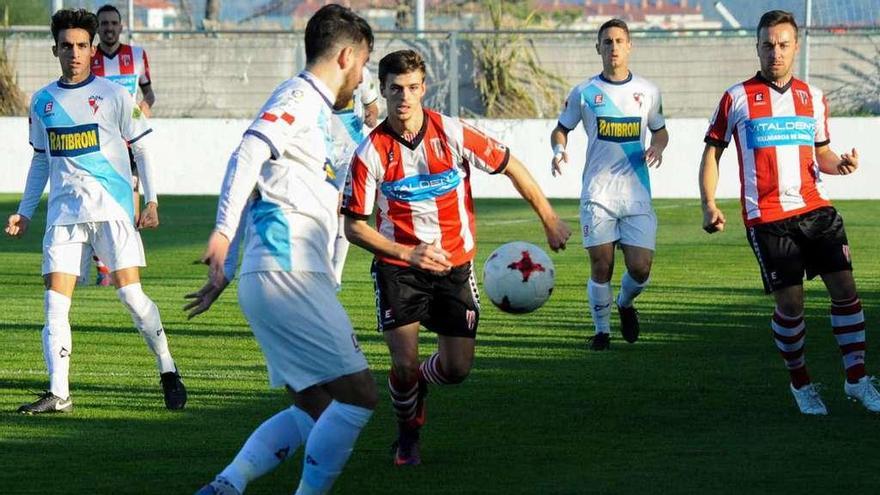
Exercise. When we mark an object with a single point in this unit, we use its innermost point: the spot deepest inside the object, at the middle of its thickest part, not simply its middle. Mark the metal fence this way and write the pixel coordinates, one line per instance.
(228, 74)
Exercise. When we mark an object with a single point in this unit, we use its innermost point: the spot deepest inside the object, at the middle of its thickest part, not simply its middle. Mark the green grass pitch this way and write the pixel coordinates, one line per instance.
(699, 405)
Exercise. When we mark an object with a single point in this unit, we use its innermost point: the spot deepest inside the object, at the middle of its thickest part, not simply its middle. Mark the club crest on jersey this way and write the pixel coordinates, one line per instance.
(93, 103)
(126, 60)
(802, 95)
(436, 147)
(639, 98)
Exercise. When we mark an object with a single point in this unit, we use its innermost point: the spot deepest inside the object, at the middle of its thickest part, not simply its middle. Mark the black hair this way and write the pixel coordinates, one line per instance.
(400, 62)
(331, 25)
(109, 8)
(74, 19)
(618, 23)
(776, 17)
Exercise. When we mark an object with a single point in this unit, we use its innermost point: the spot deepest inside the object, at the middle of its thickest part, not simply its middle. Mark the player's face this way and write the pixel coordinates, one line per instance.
(777, 47)
(403, 94)
(614, 47)
(353, 76)
(109, 28)
(74, 51)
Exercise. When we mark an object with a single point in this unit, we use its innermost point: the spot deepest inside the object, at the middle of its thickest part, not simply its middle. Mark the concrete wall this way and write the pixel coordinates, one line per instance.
(229, 75)
(191, 157)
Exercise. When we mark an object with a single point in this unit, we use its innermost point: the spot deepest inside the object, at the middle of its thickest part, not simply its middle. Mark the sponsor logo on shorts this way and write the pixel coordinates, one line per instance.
(619, 129)
(846, 253)
(586, 230)
(471, 317)
(73, 141)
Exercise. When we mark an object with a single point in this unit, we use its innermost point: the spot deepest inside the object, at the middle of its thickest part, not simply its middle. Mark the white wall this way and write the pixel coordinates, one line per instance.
(191, 155)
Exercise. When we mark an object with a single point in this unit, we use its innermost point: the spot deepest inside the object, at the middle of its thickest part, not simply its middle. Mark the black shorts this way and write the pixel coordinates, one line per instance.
(445, 304)
(814, 242)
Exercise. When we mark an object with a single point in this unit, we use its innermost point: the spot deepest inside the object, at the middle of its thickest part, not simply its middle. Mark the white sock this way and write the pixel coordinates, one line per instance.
(599, 297)
(340, 250)
(271, 443)
(629, 290)
(57, 342)
(146, 319)
(329, 446)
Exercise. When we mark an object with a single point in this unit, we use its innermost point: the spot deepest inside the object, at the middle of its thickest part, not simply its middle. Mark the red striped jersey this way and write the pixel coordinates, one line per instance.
(128, 67)
(422, 188)
(776, 130)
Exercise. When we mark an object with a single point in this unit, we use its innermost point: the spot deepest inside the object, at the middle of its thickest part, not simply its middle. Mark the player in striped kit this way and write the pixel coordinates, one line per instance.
(415, 167)
(780, 127)
(617, 110)
(81, 127)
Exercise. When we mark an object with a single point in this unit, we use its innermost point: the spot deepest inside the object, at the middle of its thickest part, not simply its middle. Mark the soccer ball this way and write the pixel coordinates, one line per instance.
(518, 277)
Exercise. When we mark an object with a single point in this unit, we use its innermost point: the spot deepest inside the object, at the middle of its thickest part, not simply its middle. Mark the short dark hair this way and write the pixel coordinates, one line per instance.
(774, 18)
(108, 8)
(400, 62)
(74, 19)
(617, 23)
(333, 24)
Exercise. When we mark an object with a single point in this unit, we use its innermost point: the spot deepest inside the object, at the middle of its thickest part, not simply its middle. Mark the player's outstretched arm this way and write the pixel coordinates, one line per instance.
(654, 153)
(558, 140)
(713, 218)
(556, 230)
(203, 298)
(429, 257)
(831, 164)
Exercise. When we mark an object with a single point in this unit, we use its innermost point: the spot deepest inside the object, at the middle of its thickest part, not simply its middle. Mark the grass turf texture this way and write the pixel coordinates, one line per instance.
(700, 403)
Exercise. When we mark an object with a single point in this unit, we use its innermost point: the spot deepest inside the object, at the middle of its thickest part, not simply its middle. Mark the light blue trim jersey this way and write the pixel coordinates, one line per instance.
(348, 127)
(84, 129)
(616, 117)
(291, 219)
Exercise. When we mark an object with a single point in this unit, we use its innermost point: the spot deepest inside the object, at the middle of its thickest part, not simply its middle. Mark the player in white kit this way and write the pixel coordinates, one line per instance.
(279, 183)
(80, 127)
(350, 125)
(617, 109)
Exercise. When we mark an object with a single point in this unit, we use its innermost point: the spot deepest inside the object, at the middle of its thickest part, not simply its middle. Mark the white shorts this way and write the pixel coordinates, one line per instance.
(117, 243)
(301, 327)
(631, 223)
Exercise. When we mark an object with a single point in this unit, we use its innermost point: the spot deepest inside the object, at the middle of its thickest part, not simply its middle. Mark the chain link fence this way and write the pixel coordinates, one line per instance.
(229, 74)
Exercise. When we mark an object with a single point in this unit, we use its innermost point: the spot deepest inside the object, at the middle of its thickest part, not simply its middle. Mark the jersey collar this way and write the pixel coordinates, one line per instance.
(319, 86)
(778, 89)
(64, 85)
(397, 137)
(629, 78)
(111, 55)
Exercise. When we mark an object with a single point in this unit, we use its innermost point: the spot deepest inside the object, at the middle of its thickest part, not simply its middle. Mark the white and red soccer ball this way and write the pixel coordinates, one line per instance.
(518, 277)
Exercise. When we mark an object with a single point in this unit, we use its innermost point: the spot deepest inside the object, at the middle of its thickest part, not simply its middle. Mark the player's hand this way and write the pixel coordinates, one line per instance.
(713, 219)
(557, 232)
(654, 156)
(556, 163)
(149, 217)
(145, 109)
(204, 298)
(215, 258)
(430, 257)
(17, 225)
(849, 162)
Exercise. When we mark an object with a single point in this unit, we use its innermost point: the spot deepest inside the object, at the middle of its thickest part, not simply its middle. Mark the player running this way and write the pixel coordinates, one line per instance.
(280, 177)
(81, 126)
(780, 126)
(126, 65)
(348, 129)
(617, 109)
(415, 166)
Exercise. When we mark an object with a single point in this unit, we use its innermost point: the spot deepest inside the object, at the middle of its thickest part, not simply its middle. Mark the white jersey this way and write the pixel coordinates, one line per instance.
(291, 219)
(84, 129)
(616, 118)
(348, 127)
